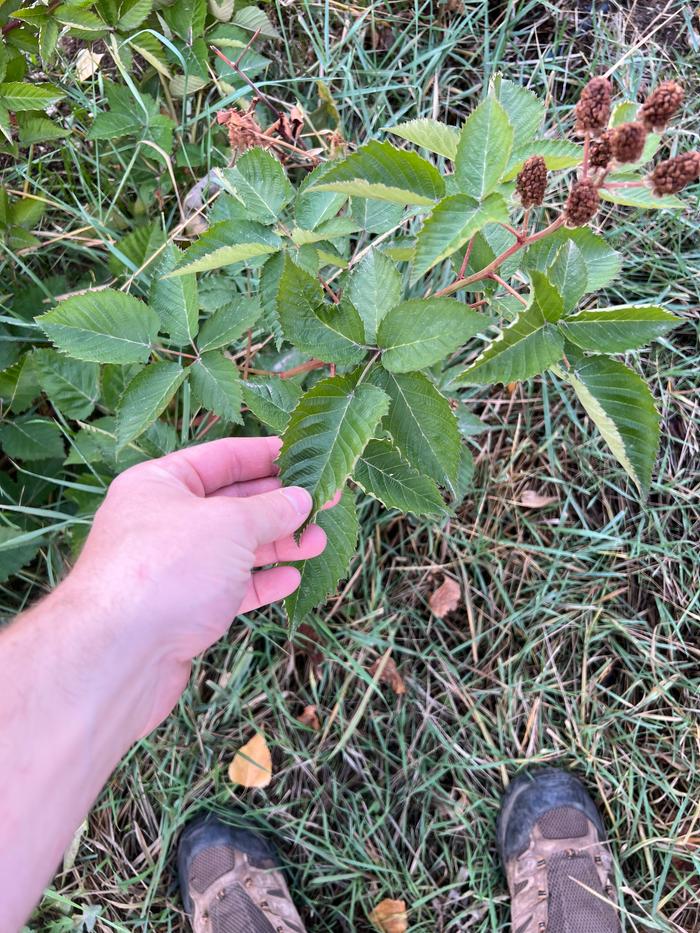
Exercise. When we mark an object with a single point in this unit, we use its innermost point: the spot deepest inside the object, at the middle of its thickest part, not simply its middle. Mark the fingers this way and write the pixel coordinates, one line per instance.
(271, 515)
(312, 543)
(205, 468)
(334, 501)
(249, 487)
(267, 586)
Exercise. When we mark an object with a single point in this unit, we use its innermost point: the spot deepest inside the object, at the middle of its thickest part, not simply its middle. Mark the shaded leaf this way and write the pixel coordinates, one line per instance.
(320, 575)
(374, 287)
(175, 301)
(422, 425)
(568, 274)
(30, 438)
(216, 385)
(259, 182)
(21, 95)
(327, 432)
(145, 398)
(558, 154)
(271, 400)
(524, 110)
(226, 243)
(640, 197)
(382, 472)
(71, 385)
(227, 323)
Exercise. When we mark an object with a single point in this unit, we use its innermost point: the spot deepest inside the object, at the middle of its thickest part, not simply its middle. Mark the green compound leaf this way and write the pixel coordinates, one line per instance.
(452, 223)
(603, 264)
(20, 95)
(374, 287)
(568, 274)
(333, 333)
(30, 438)
(102, 327)
(313, 208)
(175, 301)
(526, 347)
(422, 425)
(216, 385)
(327, 432)
(258, 181)
(72, 386)
(484, 148)
(225, 243)
(272, 400)
(19, 385)
(320, 575)
(417, 333)
(228, 323)
(618, 329)
(383, 473)
(380, 170)
(145, 398)
(524, 109)
(621, 406)
(429, 134)
(558, 154)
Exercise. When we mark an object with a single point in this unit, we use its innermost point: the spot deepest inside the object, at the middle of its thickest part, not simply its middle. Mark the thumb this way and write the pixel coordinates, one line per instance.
(275, 514)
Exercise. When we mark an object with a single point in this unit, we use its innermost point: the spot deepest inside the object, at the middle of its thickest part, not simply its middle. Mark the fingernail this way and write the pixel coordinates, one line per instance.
(300, 499)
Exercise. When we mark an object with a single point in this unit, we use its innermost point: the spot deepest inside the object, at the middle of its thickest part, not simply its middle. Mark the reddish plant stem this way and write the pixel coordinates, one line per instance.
(508, 288)
(334, 298)
(187, 356)
(248, 354)
(486, 272)
(526, 223)
(516, 233)
(288, 373)
(467, 254)
(586, 154)
(623, 184)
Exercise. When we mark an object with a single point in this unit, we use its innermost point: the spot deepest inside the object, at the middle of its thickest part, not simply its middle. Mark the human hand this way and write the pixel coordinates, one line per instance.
(173, 552)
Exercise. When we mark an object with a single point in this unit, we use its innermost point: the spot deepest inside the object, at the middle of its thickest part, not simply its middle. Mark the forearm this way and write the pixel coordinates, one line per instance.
(71, 704)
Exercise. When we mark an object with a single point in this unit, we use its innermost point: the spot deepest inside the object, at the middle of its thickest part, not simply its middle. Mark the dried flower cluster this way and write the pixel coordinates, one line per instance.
(583, 203)
(600, 152)
(627, 142)
(660, 105)
(244, 131)
(672, 175)
(531, 182)
(593, 108)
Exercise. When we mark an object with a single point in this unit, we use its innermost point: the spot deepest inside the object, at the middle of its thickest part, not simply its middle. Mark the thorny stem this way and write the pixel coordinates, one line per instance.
(486, 272)
(508, 288)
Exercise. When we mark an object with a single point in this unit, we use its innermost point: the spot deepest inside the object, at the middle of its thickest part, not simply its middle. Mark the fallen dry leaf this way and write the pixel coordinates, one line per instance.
(87, 63)
(252, 764)
(309, 717)
(390, 916)
(310, 643)
(446, 598)
(390, 675)
(531, 499)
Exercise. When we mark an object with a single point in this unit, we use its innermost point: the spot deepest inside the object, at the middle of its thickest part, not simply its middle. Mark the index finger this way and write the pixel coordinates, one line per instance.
(205, 468)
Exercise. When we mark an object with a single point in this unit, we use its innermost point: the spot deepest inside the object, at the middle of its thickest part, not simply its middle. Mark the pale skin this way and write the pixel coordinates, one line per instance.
(171, 559)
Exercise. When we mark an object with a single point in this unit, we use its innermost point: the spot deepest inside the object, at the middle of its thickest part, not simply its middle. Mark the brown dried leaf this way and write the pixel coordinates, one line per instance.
(390, 916)
(252, 764)
(310, 643)
(446, 598)
(309, 717)
(390, 675)
(531, 499)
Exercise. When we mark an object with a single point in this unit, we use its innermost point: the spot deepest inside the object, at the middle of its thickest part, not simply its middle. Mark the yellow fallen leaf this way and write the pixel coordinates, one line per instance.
(252, 764)
(87, 63)
(390, 916)
(531, 499)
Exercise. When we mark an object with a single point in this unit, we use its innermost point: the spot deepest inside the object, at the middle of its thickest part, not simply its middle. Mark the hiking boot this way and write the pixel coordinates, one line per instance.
(552, 845)
(231, 881)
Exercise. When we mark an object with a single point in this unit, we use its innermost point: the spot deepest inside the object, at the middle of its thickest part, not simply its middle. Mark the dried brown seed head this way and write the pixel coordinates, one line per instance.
(628, 142)
(593, 108)
(244, 131)
(582, 204)
(660, 105)
(531, 182)
(600, 152)
(674, 174)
